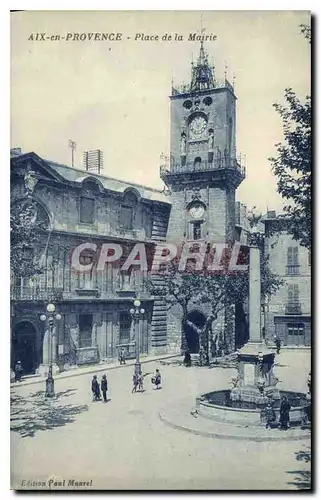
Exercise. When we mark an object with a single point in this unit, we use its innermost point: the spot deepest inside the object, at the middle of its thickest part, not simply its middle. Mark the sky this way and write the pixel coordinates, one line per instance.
(114, 95)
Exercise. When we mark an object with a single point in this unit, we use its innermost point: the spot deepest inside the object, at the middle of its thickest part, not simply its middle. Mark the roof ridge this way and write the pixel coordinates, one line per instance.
(104, 176)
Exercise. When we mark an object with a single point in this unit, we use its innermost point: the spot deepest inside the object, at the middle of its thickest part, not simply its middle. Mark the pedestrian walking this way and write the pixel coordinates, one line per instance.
(135, 382)
(18, 371)
(104, 388)
(157, 379)
(270, 416)
(141, 382)
(284, 413)
(95, 389)
(309, 383)
(277, 341)
(122, 360)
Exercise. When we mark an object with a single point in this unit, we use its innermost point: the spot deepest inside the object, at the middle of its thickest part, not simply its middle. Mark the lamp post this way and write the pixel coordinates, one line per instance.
(50, 317)
(137, 312)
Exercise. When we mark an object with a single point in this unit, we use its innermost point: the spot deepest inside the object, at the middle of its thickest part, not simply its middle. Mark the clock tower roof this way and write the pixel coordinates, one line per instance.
(202, 72)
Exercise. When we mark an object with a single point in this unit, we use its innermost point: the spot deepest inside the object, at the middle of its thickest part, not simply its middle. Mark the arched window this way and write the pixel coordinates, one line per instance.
(128, 209)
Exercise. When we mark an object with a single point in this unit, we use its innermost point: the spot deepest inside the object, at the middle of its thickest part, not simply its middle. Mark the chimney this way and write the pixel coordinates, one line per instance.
(94, 161)
(15, 152)
(271, 214)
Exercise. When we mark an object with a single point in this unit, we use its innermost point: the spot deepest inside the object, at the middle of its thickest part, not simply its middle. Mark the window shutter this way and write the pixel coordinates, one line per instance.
(295, 256)
(290, 256)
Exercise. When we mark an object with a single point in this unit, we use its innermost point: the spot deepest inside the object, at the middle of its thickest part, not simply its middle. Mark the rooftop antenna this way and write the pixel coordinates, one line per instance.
(72, 145)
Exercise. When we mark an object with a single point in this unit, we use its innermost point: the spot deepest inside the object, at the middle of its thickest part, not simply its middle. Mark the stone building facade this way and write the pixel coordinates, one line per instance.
(288, 312)
(202, 173)
(80, 207)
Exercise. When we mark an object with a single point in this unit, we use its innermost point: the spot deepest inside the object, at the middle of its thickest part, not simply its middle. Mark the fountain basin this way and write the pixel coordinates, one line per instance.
(219, 406)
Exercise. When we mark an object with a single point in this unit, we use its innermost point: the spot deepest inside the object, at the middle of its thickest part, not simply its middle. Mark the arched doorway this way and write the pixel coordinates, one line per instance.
(24, 346)
(192, 339)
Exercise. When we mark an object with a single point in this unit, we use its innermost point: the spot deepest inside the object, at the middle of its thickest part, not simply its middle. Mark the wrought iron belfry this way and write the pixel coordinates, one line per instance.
(202, 73)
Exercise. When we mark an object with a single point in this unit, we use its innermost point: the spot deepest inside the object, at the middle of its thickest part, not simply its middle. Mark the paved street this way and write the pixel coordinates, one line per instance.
(124, 445)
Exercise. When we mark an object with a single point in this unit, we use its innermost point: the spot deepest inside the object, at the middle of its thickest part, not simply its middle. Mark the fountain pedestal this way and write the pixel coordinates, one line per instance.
(256, 380)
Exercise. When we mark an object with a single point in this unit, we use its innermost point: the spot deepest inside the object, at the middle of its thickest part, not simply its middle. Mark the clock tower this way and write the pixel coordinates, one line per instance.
(202, 171)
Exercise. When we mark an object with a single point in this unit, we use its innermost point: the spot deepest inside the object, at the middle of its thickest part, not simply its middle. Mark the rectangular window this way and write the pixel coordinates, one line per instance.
(293, 261)
(87, 210)
(197, 233)
(309, 258)
(126, 217)
(85, 330)
(295, 328)
(293, 306)
(125, 321)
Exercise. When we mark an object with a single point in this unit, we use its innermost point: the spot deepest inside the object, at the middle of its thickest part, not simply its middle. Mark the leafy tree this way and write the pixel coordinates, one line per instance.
(292, 165)
(25, 231)
(306, 31)
(217, 291)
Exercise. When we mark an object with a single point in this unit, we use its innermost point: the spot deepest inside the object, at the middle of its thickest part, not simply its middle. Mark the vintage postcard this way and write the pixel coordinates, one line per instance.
(160, 170)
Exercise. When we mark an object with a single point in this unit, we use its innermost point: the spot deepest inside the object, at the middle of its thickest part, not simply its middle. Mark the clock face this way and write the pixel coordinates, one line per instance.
(196, 211)
(197, 126)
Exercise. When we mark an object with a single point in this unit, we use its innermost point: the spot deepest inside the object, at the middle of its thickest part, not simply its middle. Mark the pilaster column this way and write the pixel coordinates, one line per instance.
(255, 296)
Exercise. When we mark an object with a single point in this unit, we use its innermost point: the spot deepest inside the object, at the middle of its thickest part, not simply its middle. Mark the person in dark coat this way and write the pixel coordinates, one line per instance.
(135, 382)
(104, 388)
(187, 359)
(157, 379)
(95, 389)
(18, 371)
(277, 341)
(284, 413)
(122, 360)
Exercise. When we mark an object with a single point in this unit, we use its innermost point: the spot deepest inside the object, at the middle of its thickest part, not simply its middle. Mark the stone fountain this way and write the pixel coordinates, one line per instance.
(255, 381)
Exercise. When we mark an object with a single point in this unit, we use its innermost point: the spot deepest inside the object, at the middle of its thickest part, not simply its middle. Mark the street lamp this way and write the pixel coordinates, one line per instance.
(51, 317)
(136, 313)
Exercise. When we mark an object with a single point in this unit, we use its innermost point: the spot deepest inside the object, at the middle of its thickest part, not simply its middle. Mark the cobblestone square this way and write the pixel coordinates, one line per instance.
(124, 445)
